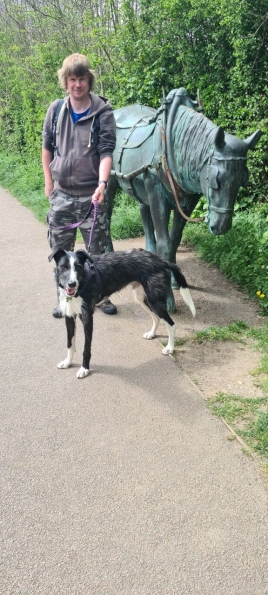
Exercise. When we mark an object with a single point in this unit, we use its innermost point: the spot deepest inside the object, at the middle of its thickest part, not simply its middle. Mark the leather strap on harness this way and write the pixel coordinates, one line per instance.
(145, 168)
(172, 184)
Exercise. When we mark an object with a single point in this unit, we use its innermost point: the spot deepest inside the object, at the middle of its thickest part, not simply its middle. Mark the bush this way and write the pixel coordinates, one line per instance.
(241, 254)
(126, 219)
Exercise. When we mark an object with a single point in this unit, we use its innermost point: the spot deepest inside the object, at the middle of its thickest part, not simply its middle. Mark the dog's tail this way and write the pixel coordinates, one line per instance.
(184, 289)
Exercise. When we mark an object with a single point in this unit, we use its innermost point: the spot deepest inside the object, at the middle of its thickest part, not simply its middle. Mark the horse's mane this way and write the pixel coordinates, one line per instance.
(192, 139)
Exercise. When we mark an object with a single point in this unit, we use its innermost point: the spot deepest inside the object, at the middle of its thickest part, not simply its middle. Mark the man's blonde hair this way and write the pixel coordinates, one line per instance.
(78, 65)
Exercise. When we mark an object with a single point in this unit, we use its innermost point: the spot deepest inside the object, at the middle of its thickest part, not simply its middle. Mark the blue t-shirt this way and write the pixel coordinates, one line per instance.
(76, 116)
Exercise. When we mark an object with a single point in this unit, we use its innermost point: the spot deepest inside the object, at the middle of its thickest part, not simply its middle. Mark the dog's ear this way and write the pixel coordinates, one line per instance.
(82, 256)
(57, 255)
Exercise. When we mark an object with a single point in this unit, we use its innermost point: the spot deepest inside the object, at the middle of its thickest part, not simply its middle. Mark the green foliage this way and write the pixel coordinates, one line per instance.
(26, 181)
(230, 332)
(247, 416)
(126, 220)
(136, 49)
(260, 336)
(241, 254)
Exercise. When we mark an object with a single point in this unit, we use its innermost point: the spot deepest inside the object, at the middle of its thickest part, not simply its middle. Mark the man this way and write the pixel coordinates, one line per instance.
(78, 166)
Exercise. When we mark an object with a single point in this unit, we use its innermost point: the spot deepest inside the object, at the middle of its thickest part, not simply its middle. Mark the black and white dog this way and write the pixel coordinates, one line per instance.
(85, 281)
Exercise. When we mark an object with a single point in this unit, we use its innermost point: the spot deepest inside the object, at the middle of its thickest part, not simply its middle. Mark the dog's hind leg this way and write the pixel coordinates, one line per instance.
(71, 327)
(158, 312)
(141, 298)
(163, 315)
(171, 338)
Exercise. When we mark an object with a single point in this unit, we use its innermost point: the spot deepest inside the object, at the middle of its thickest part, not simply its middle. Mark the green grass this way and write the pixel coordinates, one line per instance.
(25, 182)
(242, 253)
(126, 219)
(231, 332)
(247, 416)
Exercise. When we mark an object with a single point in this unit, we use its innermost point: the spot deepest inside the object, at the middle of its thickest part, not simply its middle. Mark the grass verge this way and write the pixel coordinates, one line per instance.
(241, 254)
(248, 417)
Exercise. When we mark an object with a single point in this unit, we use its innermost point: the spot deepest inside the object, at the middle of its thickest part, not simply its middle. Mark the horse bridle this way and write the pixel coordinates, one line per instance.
(169, 177)
(208, 158)
(221, 210)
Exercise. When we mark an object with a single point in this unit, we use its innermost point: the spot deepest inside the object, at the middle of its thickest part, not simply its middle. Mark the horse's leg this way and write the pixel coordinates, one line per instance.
(178, 226)
(160, 213)
(148, 226)
(109, 198)
(179, 222)
(175, 235)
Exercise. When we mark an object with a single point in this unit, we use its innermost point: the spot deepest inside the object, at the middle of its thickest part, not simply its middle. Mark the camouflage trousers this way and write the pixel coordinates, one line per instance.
(66, 210)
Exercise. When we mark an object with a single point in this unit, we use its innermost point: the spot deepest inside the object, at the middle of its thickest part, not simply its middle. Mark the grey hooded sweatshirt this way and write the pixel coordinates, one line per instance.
(75, 166)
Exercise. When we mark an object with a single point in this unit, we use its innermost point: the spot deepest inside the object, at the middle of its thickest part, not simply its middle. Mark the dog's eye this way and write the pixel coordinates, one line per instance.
(63, 268)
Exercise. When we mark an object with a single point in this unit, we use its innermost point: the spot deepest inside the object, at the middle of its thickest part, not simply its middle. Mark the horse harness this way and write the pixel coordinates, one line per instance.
(147, 122)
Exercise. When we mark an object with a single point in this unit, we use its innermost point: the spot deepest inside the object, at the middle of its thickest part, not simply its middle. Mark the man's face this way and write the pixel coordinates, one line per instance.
(77, 87)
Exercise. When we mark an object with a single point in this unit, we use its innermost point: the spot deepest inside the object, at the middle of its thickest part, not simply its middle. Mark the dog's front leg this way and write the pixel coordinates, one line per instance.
(70, 326)
(87, 319)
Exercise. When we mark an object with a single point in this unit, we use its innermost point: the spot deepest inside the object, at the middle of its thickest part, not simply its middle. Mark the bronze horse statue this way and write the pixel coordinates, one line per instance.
(167, 159)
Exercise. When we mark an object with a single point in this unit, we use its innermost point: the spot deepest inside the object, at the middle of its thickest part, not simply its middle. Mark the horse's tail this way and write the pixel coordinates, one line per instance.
(183, 286)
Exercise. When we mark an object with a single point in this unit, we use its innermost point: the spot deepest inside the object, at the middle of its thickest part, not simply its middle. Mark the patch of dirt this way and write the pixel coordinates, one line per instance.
(212, 366)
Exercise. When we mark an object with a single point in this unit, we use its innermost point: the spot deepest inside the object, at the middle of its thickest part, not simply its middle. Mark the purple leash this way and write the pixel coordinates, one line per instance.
(94, 205)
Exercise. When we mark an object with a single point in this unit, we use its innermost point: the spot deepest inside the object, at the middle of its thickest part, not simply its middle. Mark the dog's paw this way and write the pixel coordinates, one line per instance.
(149, 335)
(82, 372)
(167, 350)
(65, 364)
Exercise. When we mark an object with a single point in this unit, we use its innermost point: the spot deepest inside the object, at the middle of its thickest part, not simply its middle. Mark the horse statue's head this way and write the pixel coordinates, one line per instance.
(221, 176)
(203, 159)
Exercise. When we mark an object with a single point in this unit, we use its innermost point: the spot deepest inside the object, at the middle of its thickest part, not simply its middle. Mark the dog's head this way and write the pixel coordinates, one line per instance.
(69, 269)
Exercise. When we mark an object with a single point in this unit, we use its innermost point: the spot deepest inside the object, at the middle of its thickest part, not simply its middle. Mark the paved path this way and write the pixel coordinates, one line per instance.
(122, 483)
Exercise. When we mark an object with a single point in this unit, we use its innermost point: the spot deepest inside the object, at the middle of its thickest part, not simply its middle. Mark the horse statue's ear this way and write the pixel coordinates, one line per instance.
(252, 140)
(219, 139)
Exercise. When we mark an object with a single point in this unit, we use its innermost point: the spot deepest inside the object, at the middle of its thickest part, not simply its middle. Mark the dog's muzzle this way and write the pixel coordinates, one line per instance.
(71, 289)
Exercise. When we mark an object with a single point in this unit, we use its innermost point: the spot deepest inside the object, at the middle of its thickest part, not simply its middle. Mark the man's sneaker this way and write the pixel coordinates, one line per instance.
(57, 313)
(108, 308)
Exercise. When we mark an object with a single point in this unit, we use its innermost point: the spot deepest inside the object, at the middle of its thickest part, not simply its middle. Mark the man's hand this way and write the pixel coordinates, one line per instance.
(48, 188)
(47, 157)
(98, 195)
